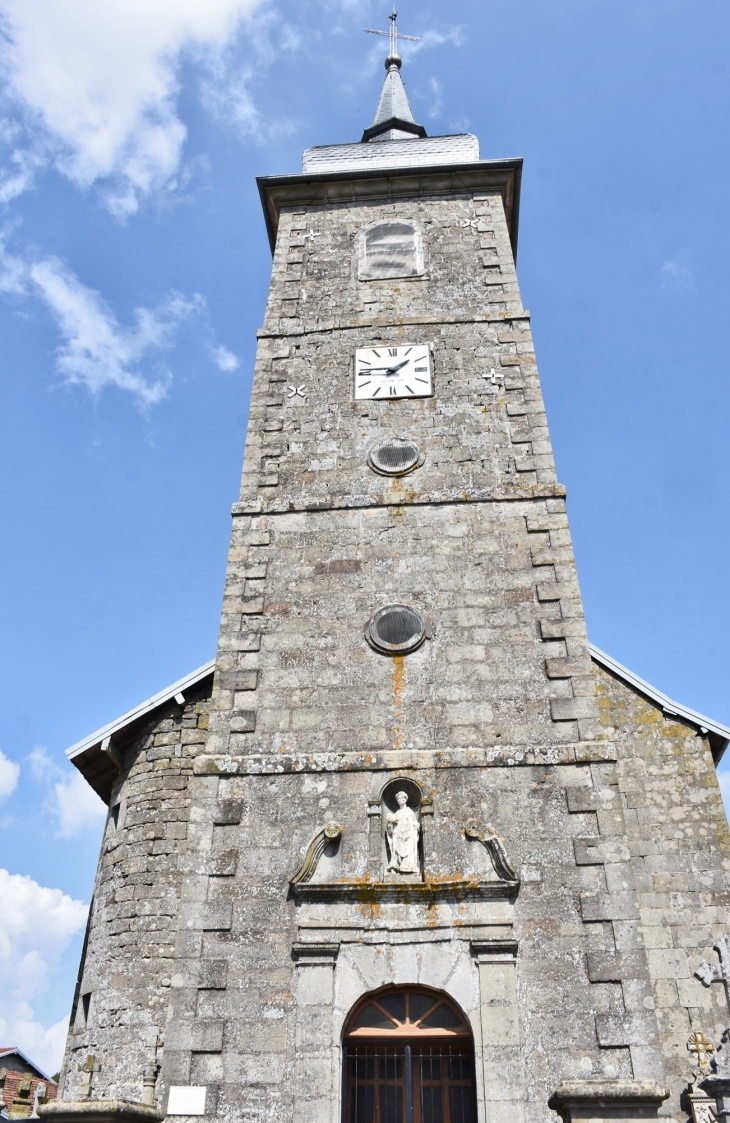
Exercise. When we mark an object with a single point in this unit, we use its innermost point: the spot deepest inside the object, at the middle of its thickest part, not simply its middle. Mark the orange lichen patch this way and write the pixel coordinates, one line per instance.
(432, 914)
(452, 876)
(399, 686)
(399, 681)
(367, 899)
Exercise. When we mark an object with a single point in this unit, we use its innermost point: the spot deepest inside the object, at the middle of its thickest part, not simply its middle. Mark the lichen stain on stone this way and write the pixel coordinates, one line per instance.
(399, 686)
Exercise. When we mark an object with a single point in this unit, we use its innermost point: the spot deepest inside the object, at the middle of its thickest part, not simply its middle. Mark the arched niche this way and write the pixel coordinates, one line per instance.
(389, 806)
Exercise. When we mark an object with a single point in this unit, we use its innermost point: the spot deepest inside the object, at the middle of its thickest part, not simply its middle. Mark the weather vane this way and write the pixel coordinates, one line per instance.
(394, 34)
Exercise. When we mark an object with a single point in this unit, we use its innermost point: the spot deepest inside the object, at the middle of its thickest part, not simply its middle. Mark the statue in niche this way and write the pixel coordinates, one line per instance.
(401, 831)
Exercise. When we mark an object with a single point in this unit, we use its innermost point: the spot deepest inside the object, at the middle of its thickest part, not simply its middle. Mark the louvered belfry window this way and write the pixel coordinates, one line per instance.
(408, 1057)
(390, 249)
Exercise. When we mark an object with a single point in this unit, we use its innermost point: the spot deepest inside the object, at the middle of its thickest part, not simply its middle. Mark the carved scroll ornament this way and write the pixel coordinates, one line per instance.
(494, 846)
(330, 832)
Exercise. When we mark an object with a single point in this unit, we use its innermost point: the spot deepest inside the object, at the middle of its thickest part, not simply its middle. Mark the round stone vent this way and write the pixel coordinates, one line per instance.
(396, 629)
(394, 456)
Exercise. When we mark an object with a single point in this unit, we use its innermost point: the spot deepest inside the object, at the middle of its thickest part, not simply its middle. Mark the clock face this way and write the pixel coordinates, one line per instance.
(393, 372)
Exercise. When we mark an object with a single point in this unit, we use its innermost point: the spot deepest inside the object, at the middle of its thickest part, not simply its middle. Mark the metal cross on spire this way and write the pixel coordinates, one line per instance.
(394, 34)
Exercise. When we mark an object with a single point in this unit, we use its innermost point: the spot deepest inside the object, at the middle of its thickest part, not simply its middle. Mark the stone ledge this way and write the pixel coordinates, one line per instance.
(494, 950)
(414, 892)
(525, 492)
(388, 321)
(602, 1092)
(98, 1111)
(315, 955)
(501, 756)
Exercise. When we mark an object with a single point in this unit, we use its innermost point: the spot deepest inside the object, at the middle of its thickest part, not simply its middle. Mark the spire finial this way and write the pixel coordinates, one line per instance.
(394, 35)
(393, 117)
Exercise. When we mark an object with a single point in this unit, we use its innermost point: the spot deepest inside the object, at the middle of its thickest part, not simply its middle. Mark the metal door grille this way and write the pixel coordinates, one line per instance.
(422, 1083)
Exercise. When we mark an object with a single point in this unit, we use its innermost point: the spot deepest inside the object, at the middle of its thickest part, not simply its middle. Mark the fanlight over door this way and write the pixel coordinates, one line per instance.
(408, 1058)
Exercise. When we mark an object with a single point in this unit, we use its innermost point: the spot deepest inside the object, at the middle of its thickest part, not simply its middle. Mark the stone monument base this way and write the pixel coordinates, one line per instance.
(98, 1111)
(608, 1101)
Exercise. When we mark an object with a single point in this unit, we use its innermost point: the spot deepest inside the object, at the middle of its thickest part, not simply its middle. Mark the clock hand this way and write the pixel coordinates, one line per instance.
(388, 370)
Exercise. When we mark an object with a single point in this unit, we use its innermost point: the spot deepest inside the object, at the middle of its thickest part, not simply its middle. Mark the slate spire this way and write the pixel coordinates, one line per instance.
(393, 118)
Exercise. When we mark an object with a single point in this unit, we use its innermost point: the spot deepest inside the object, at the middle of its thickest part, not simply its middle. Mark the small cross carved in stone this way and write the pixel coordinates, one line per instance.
(702, 1049)
(88, 1068)
(296, 391)
(313, 234)
(709, 973)
(473, 222)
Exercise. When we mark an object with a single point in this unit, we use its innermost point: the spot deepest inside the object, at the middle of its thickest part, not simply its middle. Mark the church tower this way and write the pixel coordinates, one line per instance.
(420, 854)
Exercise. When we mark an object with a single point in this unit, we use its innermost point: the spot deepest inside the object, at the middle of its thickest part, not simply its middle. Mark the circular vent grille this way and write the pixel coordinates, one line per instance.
(394, 456)
(396, 629)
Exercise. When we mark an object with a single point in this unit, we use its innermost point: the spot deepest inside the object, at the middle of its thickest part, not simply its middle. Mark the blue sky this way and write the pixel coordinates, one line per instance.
(133, 274)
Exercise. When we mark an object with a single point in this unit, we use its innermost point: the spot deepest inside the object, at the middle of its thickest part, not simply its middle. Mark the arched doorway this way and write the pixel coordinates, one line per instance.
(408, 1057)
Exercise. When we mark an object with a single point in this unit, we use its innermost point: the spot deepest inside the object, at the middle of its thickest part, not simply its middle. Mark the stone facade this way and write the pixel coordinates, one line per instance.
(573, 846)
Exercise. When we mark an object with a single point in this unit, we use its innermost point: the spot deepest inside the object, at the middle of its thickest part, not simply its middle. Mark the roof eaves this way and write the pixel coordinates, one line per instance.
(8, 1051)
(720, 733)
(422, 176)
(141, 710)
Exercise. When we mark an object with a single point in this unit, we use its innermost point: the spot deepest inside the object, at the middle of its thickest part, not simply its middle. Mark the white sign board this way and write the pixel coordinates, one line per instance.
(185, 1100)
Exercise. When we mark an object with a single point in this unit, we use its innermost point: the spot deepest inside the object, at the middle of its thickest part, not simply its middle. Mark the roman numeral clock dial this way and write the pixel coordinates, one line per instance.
(393, 372)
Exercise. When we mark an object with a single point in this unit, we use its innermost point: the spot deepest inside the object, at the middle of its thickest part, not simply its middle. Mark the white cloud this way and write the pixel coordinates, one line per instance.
(21, 169)
(438, 38)
(9, 772)
(226, 95)
(724, 781)
(223, 358)
(438, 102)
(41, 764)
(97, 351)
(13, 270)
(676, 276)
(36, 927)
(96, 82)
(76, 805)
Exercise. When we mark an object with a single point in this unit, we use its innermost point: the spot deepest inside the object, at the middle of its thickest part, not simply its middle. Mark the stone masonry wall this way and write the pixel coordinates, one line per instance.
(124, 983)
(241, 1021)
(313, 684)
(310, 582)
(677, 834)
